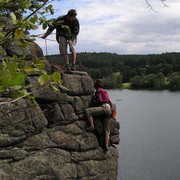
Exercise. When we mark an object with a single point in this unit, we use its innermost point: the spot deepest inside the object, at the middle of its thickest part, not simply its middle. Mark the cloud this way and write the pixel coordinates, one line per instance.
(123, 27)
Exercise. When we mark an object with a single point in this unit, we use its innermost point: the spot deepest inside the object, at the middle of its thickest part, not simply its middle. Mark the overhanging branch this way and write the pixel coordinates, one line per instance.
(150, 6)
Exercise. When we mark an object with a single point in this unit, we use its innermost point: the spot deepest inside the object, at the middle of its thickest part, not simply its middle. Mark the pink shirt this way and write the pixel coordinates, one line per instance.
(102, 96)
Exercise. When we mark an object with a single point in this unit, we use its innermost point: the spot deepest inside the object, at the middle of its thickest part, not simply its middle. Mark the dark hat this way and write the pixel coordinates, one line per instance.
(72, 12)
(98, 83)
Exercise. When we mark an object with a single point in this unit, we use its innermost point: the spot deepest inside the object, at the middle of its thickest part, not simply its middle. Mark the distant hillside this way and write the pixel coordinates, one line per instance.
(152, 71)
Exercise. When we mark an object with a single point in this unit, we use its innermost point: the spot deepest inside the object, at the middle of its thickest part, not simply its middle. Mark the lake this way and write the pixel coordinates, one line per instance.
(150, 134)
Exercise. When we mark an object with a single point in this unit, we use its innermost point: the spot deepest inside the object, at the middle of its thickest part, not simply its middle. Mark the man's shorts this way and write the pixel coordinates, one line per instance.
(64, 43)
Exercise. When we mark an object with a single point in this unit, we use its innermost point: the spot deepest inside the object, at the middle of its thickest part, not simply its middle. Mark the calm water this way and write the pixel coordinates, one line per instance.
(150, 134)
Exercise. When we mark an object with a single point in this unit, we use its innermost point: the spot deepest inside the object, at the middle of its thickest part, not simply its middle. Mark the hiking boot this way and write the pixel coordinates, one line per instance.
(106, 148)
(90, 129)
(67, 68)
(73, 67)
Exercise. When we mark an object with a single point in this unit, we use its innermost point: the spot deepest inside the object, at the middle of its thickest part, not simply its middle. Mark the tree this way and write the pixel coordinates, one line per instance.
(150, 6)
(160, 81)
(117, 80)
(14, 70)
(95, 73)
(135, 82)
(150, 81)
(16, 11)
(174, 81)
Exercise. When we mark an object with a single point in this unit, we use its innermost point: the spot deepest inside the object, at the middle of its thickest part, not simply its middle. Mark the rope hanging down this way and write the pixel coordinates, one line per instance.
(40, 36)
(45, 40)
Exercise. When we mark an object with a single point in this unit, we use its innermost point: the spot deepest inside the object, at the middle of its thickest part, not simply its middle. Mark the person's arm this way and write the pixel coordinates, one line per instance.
(99, 97)
(76, 29)
(48, 32)
(51, 28)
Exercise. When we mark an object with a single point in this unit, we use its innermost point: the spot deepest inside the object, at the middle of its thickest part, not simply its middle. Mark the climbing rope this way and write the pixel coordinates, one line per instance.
(46, 47)
(45, 40)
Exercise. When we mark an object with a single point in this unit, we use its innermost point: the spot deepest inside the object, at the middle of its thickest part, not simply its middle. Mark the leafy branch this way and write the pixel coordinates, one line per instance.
(14, 70)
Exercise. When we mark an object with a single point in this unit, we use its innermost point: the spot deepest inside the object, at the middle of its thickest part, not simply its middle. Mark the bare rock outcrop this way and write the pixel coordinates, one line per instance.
(48, 140)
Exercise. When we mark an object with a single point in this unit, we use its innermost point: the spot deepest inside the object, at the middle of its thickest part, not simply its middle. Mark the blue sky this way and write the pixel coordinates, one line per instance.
(121, 26)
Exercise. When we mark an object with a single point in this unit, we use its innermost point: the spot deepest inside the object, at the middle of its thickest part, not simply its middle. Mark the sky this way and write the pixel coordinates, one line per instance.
(120, 26)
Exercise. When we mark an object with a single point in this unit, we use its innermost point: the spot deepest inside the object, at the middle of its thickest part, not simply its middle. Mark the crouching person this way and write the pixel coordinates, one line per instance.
(102, 108)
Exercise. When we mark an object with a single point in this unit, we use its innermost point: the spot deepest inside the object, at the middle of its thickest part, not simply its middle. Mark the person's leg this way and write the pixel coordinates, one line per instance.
(63, 50)
(93, 111)
(108, 113)
(91, 121)
(66, 58)
(72, 43)
(106, 141)
(73, 57)
(107, 132)
(73, 67)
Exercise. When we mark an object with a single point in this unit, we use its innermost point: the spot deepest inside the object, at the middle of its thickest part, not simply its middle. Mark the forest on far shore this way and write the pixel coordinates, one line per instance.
(153, 71)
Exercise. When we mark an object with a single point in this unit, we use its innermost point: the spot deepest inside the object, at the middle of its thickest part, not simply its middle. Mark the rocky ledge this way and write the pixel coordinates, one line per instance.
(48, 140)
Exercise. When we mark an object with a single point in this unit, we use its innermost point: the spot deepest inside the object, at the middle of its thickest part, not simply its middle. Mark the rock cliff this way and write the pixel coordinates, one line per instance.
(48, 140)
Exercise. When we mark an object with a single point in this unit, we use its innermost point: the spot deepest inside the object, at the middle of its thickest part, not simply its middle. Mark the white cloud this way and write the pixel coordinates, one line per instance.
(124, 27)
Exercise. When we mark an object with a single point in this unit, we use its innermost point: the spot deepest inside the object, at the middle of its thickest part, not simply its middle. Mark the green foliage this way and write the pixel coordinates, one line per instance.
(117, 80)
(56, 77)
(143, 71)
(160, 81)
(136, 82)
(35, 11)
(14, 70)
(43, 79)
(174, 81)
(150, 81)
(11, 78)
(96, 73)
(126, 85)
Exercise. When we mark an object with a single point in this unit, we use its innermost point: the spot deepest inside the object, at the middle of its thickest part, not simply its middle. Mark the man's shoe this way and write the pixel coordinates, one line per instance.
(73, 67)
(67, 68)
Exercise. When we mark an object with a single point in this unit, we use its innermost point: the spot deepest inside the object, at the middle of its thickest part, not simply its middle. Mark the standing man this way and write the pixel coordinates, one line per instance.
(67, 29)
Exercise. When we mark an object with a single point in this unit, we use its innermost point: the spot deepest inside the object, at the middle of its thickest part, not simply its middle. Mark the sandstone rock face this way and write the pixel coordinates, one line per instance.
(48, 140)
